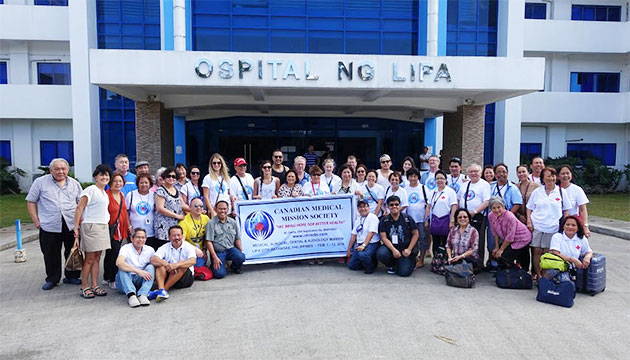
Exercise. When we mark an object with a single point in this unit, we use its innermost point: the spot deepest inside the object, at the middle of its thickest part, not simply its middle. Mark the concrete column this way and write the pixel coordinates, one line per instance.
(154, 134)
(24, 151)
(86, 127)
(179, 25)
(432, 27)
(556, 140)
(560, 76)
(510, 33)
(19, 65)
(463, 134)
(561, 10)
(507, 134)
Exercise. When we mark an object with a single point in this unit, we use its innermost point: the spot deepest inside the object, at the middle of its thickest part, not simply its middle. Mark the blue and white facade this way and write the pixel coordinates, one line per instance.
(550, 79)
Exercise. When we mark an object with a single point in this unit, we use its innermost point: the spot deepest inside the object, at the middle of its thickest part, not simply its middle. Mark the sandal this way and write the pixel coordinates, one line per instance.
(99, 292)
(87, 293)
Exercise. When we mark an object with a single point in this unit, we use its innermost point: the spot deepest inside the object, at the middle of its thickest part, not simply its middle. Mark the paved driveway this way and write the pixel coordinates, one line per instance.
(322, 312)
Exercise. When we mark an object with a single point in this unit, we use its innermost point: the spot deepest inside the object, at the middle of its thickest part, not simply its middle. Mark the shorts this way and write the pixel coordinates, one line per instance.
(423, 244)
(541, 239)
(185, 281)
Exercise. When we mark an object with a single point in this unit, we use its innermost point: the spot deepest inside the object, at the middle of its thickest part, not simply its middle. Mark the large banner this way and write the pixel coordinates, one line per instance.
(296, 228)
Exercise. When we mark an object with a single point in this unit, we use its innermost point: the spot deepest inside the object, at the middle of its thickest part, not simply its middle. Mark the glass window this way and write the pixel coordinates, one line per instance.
(5, 150)
(488, 138)
(128, 24)
(3, 72)
(472, 28)
(595, 13)
(53, 73)
(529, 151)
(308, 26)
(606, 153)
(49, 150)
(535, 11)
(52, 2)
(594, 82)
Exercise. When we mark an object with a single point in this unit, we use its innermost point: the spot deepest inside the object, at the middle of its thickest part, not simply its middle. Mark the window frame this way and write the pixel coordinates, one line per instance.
(55, 66)
(7, 142)
(605, 147)
(56, 143)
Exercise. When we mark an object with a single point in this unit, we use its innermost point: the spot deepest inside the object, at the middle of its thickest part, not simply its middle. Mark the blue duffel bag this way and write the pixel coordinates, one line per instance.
(556, 291)
(513, 278)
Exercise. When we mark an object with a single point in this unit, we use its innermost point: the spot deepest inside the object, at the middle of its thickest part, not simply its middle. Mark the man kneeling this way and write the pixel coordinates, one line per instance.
(135, 271)
(399, 235)
(224, 242)
(363, 241)
(174, 264)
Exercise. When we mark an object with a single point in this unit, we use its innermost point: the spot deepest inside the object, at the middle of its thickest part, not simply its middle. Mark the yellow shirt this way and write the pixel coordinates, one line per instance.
(195, 230)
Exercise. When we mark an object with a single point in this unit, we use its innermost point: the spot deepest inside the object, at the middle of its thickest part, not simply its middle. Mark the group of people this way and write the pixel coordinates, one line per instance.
(178, 223)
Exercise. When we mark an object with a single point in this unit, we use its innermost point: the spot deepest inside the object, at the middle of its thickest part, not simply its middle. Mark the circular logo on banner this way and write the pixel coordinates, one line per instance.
(259, 225)
(414, 197)
(471, 195)
(431, 183)
(143, 208)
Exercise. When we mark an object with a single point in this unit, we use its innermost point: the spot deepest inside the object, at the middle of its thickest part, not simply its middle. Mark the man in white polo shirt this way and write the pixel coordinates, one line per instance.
(135, 271)
(174, 264)
(475, 197)
(428, 178)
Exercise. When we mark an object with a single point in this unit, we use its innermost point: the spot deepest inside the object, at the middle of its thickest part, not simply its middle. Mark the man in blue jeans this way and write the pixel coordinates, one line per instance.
(399, 235)
(364, 241)
(135, 271)
(224, 242)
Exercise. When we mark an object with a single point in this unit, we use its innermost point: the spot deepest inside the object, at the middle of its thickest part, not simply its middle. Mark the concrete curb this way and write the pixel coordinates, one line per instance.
(607, 230)
(13, 243)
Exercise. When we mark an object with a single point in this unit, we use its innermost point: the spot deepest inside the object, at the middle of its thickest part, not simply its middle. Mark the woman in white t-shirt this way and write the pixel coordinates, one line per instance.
(91, 220)
(571, 245)
(315, 186)
(545, 207)
(372, 192)
(383, 173)
(141, 206)
(394, 188)
(577, 197)
(216, 184)
(329, 178)
(360, 172)
(266, 186)
(442, 206)
(192, 188)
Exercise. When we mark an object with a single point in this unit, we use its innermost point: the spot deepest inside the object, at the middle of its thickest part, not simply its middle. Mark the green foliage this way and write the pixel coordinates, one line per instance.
(8, 180)
(592, 176)
(86, 184)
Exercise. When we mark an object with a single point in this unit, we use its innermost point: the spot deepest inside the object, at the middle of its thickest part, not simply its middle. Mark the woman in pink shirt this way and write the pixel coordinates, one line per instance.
(515, 235)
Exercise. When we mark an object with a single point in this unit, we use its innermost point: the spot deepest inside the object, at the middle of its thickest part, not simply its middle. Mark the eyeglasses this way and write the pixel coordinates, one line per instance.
(394, 205)
(360, 171)
(198, 206)
(242, 165)
(462, 217)
(278, 156)
(195, 173)
(216, 163)
(316, 175)
(266, 167)
(385, 161)
(172, 176)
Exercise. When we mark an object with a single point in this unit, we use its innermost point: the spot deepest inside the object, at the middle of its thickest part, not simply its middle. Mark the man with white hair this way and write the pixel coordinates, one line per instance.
(475, 198)
(428, 177)
(51, 202)
(299, 165)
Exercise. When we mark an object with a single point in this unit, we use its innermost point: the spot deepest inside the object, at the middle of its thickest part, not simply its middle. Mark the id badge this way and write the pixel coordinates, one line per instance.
(395, 239)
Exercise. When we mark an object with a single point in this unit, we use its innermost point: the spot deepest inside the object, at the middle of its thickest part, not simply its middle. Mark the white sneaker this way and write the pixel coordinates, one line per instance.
(133, 301)
(144, 300)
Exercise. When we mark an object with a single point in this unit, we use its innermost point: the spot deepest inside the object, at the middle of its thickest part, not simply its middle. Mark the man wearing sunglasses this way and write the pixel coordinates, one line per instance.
(194, 228)
(399, 235)
(364, 240)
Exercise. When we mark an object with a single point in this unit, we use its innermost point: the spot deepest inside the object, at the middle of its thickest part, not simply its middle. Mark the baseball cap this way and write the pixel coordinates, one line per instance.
(239, 162)
(141, 163)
